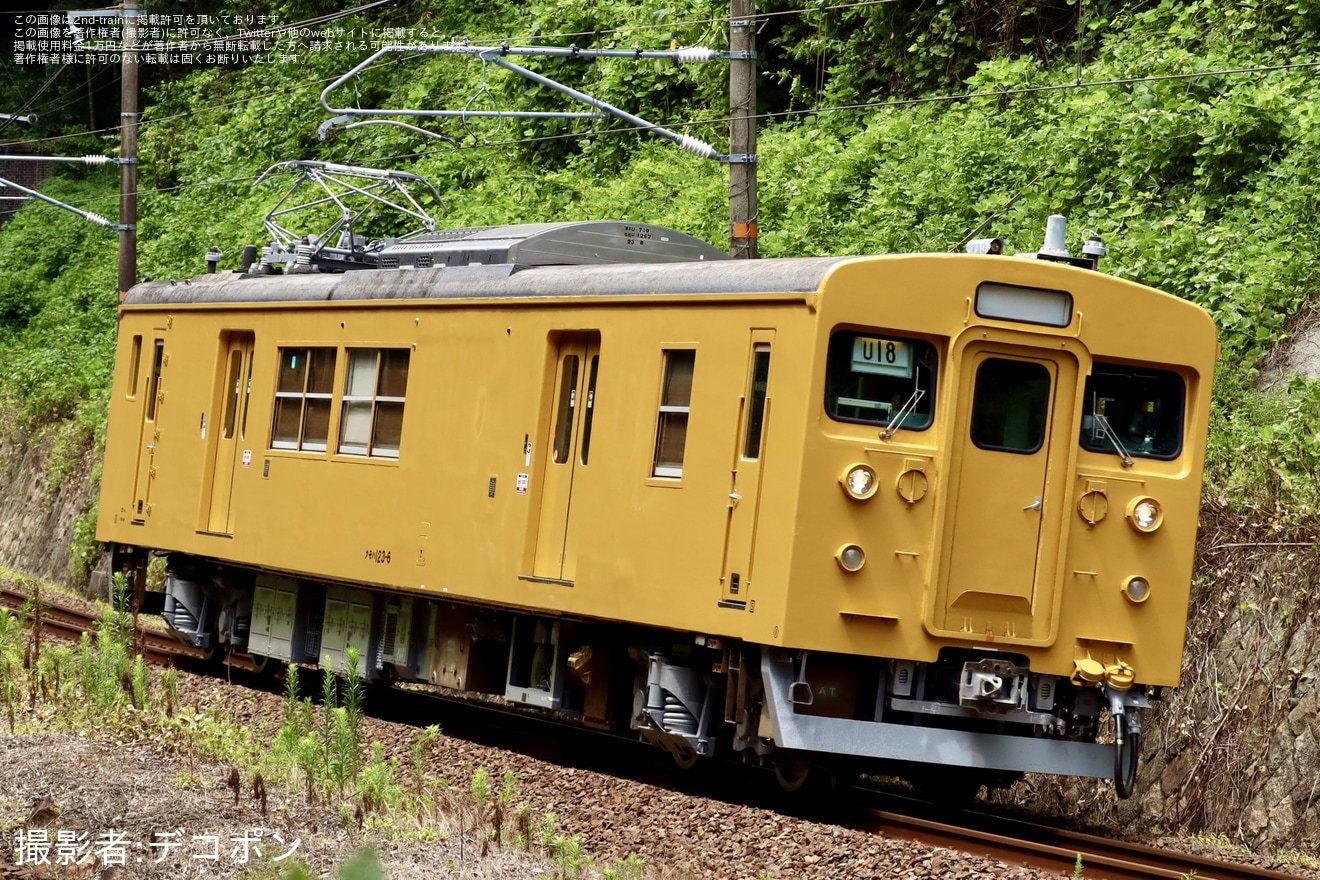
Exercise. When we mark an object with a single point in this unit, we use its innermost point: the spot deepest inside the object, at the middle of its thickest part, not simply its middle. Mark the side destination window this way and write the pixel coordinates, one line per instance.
(1142, 408)
(374, 388)
(879, 378)
(675, 404)
(303, 393)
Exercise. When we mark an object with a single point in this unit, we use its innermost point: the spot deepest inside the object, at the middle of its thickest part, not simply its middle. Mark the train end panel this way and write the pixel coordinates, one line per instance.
(1006, 459)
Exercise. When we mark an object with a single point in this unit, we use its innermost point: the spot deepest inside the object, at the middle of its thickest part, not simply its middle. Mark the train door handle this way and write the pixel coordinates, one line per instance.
(1035, 505)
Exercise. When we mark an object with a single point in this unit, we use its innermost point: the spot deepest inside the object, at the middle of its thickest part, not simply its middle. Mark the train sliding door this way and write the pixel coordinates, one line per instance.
(233, 390)
(745, 491)
(577, 365)
(153, 398)
(1006, 503)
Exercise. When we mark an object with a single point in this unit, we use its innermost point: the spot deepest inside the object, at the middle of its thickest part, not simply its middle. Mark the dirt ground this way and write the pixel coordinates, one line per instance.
(74, 808)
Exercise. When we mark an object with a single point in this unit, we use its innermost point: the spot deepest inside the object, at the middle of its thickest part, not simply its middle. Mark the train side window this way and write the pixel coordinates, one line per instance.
(134, 367)
(153, 380)
(877, 378)
(1142, 407)
(675, 406)
(756, 401)
(303, 395)
(566, 413)
(585, 445)
(232, 392)
(1010, 405)
(374, 393)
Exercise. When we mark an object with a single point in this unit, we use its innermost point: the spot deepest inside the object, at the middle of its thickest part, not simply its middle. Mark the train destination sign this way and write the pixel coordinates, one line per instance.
(884, 356)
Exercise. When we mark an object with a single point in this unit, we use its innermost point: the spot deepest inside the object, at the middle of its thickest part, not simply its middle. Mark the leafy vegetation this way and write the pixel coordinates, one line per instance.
(1183, 132)
(101, 688)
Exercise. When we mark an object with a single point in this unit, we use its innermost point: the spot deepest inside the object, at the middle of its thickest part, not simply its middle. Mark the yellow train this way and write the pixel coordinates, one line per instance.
(933, 512)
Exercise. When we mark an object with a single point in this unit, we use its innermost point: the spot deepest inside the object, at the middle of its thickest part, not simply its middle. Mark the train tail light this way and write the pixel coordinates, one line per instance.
(851, 557)
(1136, 589)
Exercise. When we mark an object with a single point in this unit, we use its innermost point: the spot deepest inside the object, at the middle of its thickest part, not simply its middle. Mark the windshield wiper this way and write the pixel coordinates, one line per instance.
(903, 412)
(1108, 432)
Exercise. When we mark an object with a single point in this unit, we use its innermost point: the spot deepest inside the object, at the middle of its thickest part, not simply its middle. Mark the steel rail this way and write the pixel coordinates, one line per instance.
(1058, 851)
(67, 622)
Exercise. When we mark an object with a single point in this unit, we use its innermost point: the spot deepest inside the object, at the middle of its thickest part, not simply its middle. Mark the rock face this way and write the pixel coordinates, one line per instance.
(1236, 750)
(45, 486)
(1298, 354)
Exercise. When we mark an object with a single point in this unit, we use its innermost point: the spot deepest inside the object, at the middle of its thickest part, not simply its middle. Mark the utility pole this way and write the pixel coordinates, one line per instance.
(128, 149)
(742, 129)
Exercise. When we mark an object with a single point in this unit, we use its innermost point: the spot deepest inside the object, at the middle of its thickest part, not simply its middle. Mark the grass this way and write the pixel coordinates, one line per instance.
(98, 689)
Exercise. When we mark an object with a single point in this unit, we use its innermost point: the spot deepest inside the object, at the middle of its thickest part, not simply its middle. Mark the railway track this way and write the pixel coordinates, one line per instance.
(1057, 850)
(993, 837)
(66, 621)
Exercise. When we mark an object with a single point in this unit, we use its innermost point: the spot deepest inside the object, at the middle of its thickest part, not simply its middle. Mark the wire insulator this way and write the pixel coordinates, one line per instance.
(97, 160)
(97, 219)
(695, 55)
(696, 147)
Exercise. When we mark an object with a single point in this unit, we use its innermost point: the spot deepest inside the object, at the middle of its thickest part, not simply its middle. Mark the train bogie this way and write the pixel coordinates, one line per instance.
(919, 509)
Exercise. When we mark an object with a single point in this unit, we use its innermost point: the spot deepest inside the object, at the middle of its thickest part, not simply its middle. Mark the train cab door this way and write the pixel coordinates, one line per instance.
(229, 429)
(577, 365)
(153, 400)
(1013, 433)
(745, 488)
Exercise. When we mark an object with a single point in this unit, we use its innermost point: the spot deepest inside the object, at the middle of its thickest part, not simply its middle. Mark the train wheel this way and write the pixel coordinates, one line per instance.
(685, 758)
(1126, 755)
(793, 773)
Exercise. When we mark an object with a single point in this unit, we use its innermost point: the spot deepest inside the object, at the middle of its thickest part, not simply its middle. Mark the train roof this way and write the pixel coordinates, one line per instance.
(500, 281)
(577, 243)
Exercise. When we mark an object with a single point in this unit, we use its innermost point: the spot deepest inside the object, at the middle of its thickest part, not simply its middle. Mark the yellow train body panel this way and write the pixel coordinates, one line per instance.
(844, 458)
(479, 413)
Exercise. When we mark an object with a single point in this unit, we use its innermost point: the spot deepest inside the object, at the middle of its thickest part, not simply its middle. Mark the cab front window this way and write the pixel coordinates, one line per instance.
(880, 378)
(1137, 408)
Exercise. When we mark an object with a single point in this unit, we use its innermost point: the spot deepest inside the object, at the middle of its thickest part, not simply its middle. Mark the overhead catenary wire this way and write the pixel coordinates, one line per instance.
(761, 16)
(764, 117)
(75, 95)
(7, 121)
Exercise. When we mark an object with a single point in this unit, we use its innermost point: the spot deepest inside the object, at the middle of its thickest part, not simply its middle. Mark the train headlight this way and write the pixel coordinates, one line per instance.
(860, 481)
(1136, 589)
(850, 557)
(1145, 514)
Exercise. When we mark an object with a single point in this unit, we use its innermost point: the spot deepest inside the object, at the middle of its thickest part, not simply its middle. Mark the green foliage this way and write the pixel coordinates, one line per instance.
(363, 866)
(84, 550)
(291, 702)
(630, 868)
(1285, 484)
(11, 664)
(378, 784)
(847, 54)
(1200, 182)
(481, 794)
(169, 683)
(141, 683)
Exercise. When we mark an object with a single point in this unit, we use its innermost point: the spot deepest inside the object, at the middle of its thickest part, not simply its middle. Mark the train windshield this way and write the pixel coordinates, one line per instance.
(878, 378)
(1141, 408)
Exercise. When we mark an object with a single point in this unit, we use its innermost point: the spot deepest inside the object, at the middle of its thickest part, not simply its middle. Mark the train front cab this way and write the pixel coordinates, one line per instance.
(998, 514)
